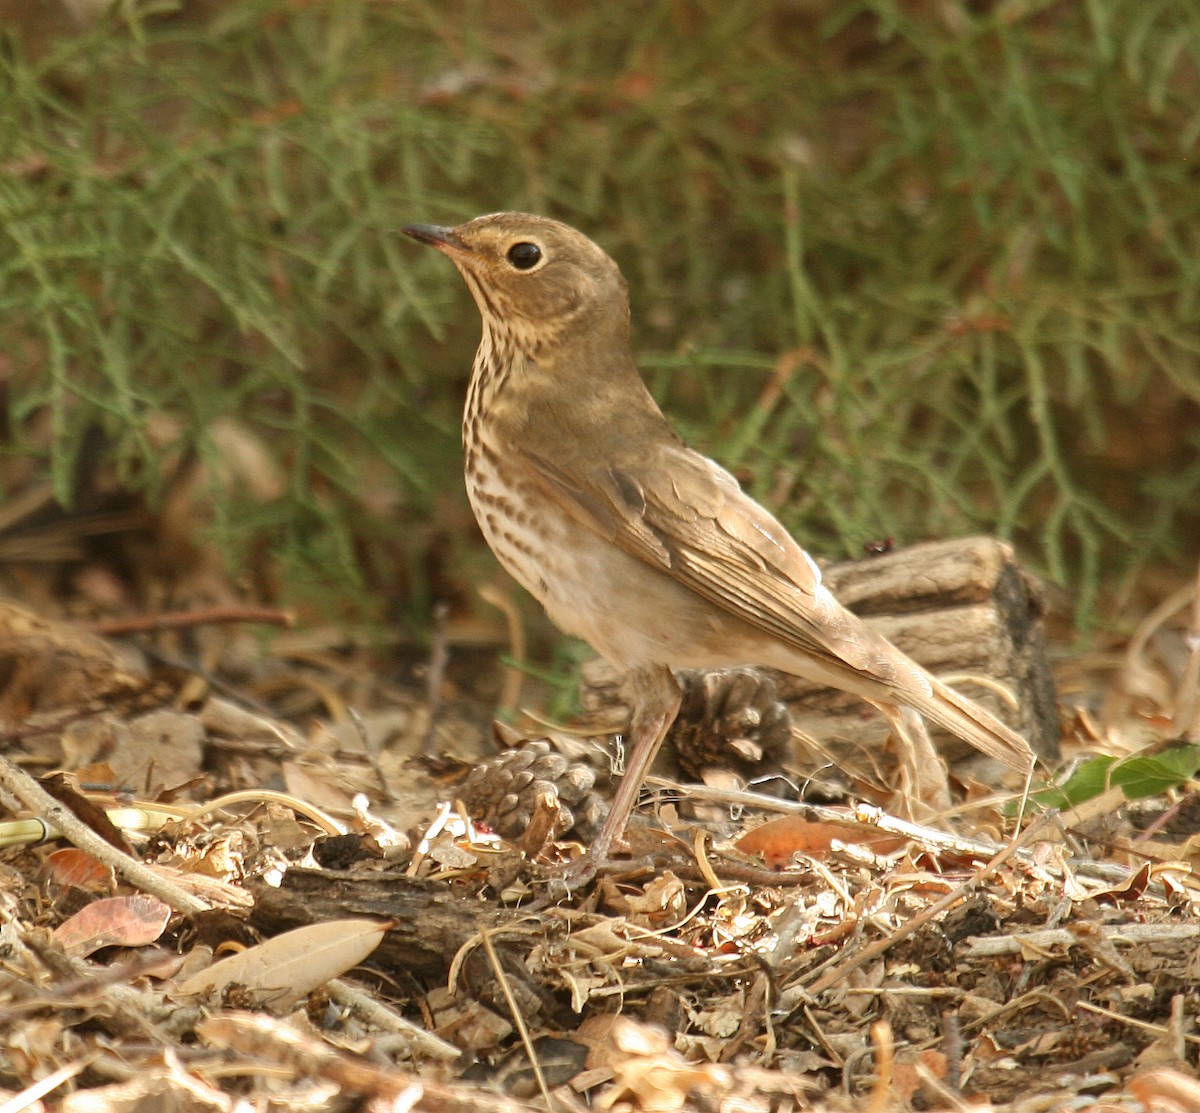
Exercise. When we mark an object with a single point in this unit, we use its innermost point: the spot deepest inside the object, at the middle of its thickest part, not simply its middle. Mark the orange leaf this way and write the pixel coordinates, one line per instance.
(778, 839)
(74, 868)
(131, 921)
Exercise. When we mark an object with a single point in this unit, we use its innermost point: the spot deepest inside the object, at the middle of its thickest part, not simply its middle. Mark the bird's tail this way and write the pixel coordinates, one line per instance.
(973, 724)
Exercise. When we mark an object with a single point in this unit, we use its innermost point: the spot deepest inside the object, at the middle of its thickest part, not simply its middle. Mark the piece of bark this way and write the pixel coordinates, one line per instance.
(957, 607)
(431, 922)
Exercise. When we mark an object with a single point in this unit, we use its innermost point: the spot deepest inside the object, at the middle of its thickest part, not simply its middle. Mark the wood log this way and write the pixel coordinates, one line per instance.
(960, 607)
(430, 923)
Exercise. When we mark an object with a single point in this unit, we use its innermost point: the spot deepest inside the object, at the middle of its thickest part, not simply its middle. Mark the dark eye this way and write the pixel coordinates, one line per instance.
(524, 255)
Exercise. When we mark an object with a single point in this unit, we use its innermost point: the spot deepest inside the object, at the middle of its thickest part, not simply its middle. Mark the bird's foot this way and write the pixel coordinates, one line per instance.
(574, 876)
(561, 882)
(565, 881)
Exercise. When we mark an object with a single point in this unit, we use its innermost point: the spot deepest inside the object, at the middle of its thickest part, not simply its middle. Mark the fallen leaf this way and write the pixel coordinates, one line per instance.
(131, 921)
(647, 1070)
(1166, 1089)
(78, 870)
(778, 839)
(283, 970)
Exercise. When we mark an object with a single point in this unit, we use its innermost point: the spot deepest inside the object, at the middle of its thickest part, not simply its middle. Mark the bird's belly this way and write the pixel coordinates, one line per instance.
(629, 611)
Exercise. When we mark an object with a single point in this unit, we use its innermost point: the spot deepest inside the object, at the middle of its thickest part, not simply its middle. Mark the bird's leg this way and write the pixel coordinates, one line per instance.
(656, 697)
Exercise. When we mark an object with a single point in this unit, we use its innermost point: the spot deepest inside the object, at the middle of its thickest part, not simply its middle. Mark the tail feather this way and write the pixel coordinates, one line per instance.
(975, 725)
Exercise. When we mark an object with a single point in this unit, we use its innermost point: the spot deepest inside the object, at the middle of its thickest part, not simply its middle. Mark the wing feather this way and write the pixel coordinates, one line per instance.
(688, 516)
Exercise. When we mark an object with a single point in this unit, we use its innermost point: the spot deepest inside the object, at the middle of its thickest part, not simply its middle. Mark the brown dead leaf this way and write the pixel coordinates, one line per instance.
(131, 921)
(281, 971)
(223, 857)
(315, 786)
(1166, 1091)
(470, 1024)
(159, 749)
(65, 789)
(148, 754)
(98, 776)
(241, 462)
(32, 1049)
(778, 839)
(1130, 890)
(76, 869)
(663, 901)
(647, 1070)
(906, 1074)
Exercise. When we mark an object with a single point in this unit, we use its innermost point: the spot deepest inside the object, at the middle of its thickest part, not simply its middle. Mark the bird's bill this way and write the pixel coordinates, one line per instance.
(444, 239)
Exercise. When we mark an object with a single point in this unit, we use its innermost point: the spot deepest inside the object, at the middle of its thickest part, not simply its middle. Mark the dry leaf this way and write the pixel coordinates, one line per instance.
(65, 789)
(647, 1070)
(47, 664)
(159, 749)
(283, 970)
(314, 786)
(906, 1077)
(131, 921)
(166, 1086)
(76, 869)
(662, 901)
(778, 839)
(1163, 1089)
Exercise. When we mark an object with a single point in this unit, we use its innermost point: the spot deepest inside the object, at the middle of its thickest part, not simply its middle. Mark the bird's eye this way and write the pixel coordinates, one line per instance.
(524, 255)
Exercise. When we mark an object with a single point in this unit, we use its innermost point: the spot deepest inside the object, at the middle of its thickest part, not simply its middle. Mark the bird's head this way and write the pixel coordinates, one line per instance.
(532, 277)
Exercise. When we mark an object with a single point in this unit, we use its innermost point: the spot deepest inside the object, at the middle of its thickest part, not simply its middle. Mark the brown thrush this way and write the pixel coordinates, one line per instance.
(632, 541)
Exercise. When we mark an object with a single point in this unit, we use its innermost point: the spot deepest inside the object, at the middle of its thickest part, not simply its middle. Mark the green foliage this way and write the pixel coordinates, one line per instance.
(913, 270)
(1138, 777)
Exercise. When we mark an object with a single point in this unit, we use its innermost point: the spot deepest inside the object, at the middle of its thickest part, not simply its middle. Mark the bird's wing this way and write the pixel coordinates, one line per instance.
(682, 513)
(686, 515)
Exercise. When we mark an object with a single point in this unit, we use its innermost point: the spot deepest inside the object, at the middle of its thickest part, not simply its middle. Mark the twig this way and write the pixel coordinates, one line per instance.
(264, 1038)
(55, 725)
(311, 812)
(435, 675)
(76, 981)
(371, 750)
(174, 620)
(514, 678)
(952, 1043)
(867, 815)
(842, 970)
(30, 1097)
(881, 1037)
(518, 1020)
(1049, 939)
(367, 1008)
(63, 820)
(1159, 1030)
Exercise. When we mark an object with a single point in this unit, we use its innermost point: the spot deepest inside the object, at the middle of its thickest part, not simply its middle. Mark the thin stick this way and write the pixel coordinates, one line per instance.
(174, 620)
(842, 970)
(63, 820)
(518, 1019)
(435, 676)
(514, 678)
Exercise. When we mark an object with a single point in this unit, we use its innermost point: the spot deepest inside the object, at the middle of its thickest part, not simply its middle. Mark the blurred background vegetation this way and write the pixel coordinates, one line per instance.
(911, 268)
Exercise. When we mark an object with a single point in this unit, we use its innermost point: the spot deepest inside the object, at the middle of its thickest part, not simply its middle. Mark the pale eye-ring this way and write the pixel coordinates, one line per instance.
(524, 255)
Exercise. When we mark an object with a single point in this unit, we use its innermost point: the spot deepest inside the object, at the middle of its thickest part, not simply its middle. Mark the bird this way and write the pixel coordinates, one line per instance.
(631, 540)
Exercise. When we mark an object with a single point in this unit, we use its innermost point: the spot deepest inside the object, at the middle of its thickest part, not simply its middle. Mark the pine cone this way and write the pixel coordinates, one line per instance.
(731, 719)
(503, 791)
